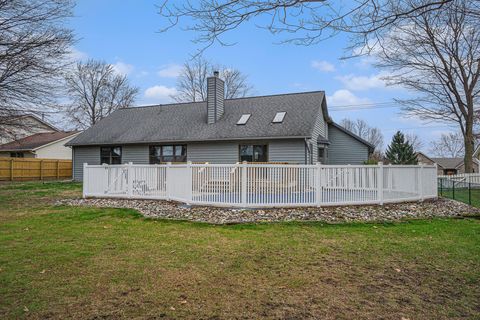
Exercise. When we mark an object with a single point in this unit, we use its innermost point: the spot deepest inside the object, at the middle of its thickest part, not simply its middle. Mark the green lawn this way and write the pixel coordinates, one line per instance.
(87, 263)
(463, 195)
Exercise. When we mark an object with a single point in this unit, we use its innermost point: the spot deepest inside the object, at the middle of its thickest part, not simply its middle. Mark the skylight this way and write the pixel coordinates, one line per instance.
(279, 117)
(244, 118)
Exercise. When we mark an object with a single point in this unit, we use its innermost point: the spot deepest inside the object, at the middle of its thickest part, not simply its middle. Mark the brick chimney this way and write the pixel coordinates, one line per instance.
(215, 97)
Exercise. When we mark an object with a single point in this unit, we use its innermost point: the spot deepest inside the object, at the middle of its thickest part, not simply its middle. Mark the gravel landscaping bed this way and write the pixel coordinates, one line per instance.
(389, 212)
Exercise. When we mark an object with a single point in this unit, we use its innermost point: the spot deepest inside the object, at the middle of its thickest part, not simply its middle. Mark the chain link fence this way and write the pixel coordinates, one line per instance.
(460, 190)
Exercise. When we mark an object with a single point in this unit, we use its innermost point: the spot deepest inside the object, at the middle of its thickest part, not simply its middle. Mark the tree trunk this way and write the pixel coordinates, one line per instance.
(469, 146)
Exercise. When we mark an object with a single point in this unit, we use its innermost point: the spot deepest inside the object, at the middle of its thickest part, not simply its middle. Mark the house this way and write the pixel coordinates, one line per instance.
(46, 145)
(28, 124)
(290, 128)
(449, 166)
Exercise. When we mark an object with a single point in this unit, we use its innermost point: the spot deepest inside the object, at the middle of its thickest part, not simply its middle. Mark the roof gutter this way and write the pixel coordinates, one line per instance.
(17, 150)
(184, 141)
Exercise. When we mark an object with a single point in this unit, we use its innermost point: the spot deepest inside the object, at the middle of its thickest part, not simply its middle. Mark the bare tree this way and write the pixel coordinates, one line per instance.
(437, 55)
(449, 145)
(192, 81)
(308, 21)
(34, 44)
(95, 91)
(430, 45)
(366, 132)
(414, 140)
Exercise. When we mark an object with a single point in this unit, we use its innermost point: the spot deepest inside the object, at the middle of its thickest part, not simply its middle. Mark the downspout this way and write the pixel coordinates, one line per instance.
(73, 163)
(307, 150)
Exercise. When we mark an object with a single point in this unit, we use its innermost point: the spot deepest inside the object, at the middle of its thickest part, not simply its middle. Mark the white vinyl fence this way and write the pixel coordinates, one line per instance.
(462, 179)
(262, 185)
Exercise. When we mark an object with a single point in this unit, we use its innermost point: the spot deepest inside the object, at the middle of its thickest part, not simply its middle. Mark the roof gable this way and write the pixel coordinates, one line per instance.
(188, 121)
(353, 135)
(419, 153)
(38, 120)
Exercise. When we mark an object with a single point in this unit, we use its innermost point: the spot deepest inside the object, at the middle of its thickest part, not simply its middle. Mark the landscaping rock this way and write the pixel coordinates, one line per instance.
(390, 212)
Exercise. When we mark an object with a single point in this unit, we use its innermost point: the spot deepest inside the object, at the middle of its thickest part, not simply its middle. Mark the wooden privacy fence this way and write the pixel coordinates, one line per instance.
(261, 185)
(23, 169)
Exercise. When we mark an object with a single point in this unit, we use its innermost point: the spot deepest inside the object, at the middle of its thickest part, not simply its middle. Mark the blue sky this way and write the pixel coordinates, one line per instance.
(126, 34)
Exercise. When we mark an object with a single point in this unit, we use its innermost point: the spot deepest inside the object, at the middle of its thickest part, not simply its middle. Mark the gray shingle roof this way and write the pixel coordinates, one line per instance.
(188, 121)
(35, 141)
(448, 163)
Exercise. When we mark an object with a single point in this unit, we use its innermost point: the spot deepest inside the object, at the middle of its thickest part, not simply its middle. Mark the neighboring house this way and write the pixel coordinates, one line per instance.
(449, 166)
(49, 145)
(28, 124)
(289, 128)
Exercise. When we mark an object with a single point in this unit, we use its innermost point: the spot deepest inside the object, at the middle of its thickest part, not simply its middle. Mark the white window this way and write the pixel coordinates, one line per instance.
(279, 117)
(244, 118)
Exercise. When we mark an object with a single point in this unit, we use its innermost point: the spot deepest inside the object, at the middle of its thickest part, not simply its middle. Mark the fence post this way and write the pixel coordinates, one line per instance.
(106, 178)
(130, 179)
(244, 183)
(420, 182)
(469, 193)
(58, 170)
(318, 184)
(85, 180)
(389, 186)
(380, 183)
(453, 189)
(189, 182)
(441, 187)
(169, 179)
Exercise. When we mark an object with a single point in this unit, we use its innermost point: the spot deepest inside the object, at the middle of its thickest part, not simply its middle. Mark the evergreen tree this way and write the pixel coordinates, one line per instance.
(400, 151)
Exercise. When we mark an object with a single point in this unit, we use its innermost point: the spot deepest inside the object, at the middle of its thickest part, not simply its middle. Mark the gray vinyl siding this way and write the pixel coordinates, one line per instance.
(219, 93)
(81, 155)
(320, 128)
(91, 155)
(138, 154)
(288, 150)
(344, 149)
(215, 99)
(292, 151)
(213, 152)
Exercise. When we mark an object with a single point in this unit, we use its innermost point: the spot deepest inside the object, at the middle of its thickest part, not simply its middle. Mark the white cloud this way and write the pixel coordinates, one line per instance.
(344, 97)
(77, 55)
(357, 83)
(411, 120)
(323, 66)
(170, 71)
(122, 68)
(160, 93)
(365, 62)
